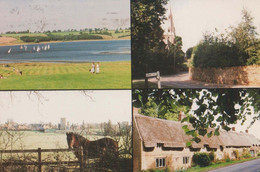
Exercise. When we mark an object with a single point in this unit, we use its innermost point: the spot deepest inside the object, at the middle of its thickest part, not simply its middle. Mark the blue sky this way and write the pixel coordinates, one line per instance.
(63, 14)
(192, 18)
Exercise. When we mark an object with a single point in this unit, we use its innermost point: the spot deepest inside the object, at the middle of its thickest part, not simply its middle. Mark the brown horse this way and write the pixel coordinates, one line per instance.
(91, 149)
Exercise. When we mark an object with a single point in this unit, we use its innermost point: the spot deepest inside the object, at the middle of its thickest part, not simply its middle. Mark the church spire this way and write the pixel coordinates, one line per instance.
(171, 28)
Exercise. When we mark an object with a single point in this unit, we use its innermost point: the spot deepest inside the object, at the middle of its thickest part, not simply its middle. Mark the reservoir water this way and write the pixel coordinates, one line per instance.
(83, 51)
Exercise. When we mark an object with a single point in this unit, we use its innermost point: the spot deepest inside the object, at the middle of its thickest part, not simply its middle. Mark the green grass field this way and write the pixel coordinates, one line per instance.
(41, 76)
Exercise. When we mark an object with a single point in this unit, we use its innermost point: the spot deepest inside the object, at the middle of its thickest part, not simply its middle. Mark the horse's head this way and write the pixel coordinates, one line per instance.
(69, 139)
(72, 140)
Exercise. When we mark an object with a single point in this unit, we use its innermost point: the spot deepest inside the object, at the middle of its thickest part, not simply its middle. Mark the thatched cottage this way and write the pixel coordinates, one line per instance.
(161, 143)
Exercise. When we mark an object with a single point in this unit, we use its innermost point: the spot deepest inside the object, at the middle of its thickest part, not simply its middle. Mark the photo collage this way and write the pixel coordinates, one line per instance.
(129, 85)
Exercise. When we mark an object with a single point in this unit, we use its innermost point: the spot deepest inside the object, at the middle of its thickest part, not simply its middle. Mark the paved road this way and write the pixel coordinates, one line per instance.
(182, 80)
(249, 166)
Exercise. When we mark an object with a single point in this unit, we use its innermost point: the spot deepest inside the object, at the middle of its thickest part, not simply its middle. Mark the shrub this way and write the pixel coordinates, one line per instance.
(215, 53)
(227, 159)
(246, 154)
(235, 152)
(212, 156)
(202, 159)
(258, 154)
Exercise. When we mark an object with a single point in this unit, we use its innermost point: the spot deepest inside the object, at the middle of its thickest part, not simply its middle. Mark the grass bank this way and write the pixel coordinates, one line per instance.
(113, 35)
(42, 76)
(217, 165)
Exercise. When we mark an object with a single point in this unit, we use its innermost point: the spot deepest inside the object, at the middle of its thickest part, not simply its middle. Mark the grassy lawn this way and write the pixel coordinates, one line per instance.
(37, 76)
(217, 165)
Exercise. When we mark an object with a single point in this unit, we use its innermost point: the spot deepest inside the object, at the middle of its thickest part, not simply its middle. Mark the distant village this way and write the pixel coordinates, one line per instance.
(62, 126)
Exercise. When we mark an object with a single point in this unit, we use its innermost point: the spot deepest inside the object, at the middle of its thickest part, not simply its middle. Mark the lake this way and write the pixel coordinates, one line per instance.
(83, 51)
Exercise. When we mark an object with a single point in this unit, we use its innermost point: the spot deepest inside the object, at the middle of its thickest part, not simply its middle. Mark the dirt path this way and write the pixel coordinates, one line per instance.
(182, 80)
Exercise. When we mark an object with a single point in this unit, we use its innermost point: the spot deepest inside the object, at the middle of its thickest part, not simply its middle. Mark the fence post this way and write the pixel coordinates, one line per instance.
(159, 79)
(39, 160)
(146, 82)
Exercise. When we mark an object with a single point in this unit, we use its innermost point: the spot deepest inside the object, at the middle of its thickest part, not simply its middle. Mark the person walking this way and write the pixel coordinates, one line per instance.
(97, 68)
(92, 68)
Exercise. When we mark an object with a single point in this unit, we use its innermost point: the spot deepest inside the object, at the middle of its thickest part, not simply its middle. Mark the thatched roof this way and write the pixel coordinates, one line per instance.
(170, 134)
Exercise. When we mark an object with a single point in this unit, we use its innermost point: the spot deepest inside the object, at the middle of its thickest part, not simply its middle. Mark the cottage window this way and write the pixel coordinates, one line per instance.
(160, 162)
(185, 160)
(159, 145)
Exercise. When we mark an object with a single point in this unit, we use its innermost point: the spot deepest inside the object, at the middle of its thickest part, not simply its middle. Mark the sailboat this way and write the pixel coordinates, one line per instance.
(9, 51)
(38, 49)
(21, 47)
(25, 48)
(34, 48)
(45, 48)
(49, 46)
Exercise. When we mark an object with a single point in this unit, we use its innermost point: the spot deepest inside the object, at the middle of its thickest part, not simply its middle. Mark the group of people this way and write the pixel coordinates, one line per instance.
(94, 68)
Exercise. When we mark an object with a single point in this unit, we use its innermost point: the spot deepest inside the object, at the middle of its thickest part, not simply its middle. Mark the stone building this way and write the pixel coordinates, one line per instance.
(62, 124)
(169, 32)
(161, 143)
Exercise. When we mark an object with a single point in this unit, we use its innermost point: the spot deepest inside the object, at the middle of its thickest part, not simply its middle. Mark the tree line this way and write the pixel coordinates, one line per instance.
(51, 37)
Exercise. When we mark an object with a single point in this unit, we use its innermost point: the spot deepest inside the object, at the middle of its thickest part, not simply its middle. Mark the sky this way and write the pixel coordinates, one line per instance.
(75, 106)
(40, 15)
(192, 18)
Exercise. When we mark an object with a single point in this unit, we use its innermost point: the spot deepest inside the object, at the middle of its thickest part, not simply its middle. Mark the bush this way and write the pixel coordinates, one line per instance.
(227, 159)
(201, 159)
(235, 152)
(246, 154)
(215, 53)
(212, 156)
(258, 154)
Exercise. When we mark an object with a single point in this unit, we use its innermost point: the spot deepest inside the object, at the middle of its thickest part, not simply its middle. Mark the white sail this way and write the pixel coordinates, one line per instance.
(45, 48)
(25, 48)
(34, 48)
(49, 46)
(38, 49)
(21, 47)
(9, 51)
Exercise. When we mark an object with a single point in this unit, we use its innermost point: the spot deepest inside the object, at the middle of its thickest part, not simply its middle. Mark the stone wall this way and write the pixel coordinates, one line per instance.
(137, 149)
(241, 75)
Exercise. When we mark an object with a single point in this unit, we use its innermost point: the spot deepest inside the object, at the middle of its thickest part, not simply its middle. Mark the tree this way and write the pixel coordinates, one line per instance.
(214, 108)
(189, 52)
(238, 47)
(147, 17)
(245, 37)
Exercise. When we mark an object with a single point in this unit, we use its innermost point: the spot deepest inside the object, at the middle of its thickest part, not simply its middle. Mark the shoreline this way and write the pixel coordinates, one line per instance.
(61, 62)
(49, 42)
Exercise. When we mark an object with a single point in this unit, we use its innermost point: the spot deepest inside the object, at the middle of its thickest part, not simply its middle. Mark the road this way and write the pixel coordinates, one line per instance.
(182, 80)
(249, 166)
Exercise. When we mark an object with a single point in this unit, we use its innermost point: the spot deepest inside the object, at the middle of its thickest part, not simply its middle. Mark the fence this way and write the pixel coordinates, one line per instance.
(39, 161)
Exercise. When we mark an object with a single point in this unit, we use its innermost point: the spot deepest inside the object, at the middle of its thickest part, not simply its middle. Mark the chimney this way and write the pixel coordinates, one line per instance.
(246, 131)
(233, 129)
